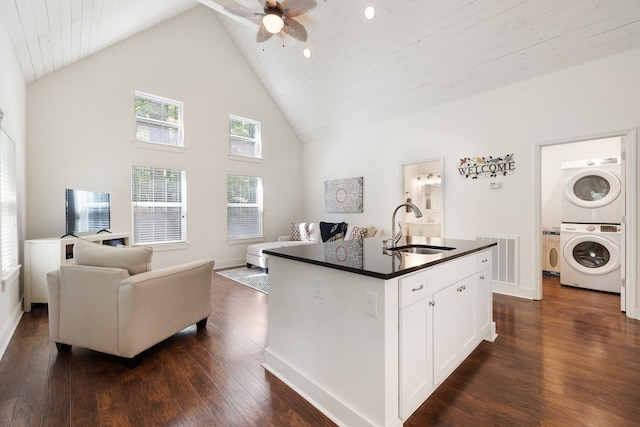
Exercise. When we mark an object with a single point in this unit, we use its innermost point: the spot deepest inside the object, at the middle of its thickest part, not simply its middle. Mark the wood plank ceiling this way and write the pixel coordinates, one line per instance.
(415, 54)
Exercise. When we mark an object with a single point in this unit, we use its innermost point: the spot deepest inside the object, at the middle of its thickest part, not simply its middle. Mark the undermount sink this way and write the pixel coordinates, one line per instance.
(422, 249)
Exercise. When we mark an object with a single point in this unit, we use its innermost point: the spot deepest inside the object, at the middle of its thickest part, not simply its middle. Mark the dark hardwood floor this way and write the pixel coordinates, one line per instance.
(572, 359)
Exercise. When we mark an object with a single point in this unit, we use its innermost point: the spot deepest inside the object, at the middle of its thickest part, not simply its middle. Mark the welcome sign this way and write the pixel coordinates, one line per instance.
(486, 167)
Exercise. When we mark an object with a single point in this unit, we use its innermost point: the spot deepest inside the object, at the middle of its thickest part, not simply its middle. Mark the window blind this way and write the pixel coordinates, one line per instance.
(8, 203)
(158, 199)
(244, 206)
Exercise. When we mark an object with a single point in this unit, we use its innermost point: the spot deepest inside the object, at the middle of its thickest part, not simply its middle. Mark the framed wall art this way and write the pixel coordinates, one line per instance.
(343, 195)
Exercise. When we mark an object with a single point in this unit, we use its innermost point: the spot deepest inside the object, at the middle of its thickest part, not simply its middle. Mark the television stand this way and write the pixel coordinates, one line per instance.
(103, 230)
(69, 235)
(44, 255)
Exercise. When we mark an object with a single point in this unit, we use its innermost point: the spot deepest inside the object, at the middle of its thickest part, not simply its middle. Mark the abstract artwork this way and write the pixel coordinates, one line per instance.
(343, 195)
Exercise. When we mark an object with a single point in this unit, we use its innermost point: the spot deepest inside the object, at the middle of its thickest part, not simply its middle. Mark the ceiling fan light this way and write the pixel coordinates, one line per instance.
(369, 12)
(273, 23)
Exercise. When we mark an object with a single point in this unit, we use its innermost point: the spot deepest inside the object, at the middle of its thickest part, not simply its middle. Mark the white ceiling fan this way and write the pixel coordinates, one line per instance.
(275, 17)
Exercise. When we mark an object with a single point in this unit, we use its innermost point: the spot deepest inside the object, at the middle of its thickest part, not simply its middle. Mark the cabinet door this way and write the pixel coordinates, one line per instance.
(445, 344)
(455, 331)
(485, 304)
(466, 308)
(416, 359)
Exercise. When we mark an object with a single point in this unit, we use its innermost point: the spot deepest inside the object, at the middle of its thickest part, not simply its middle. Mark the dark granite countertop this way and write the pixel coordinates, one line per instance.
(366, 256)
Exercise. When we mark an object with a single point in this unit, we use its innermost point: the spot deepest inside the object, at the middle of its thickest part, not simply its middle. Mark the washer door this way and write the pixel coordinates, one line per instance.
(592, 188)
(591, 254)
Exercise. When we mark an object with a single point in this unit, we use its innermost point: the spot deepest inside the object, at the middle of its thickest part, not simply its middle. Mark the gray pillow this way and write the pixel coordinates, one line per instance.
(135, 259)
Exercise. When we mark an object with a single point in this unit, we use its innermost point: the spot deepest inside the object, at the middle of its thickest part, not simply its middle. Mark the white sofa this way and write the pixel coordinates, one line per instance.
(115, 304)
(257, 258)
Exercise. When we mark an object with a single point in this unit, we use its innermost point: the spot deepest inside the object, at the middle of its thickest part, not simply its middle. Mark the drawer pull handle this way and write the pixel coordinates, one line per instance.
(432, 303)
(485, 260)
(419, 288)
(481, 277)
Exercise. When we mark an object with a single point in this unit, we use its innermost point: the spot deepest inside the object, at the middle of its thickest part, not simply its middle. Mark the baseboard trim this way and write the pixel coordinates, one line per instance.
(513, 291)
(10, 328)
(335, 409)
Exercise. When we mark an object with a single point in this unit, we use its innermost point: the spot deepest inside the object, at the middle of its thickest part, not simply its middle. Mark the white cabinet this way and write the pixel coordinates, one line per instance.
(416, 326)
(445, 312)
(44, 255)
(485, 295)
(455, 327)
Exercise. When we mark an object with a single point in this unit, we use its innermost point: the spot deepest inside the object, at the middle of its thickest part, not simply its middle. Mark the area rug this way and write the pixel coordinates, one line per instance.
(254, 278)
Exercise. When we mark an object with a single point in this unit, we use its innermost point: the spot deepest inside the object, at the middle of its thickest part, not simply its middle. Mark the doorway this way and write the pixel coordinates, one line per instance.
(550, 157)
(422, 185)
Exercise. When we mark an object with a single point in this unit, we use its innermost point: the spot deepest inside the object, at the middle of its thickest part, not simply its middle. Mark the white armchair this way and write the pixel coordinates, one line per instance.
(107, 309)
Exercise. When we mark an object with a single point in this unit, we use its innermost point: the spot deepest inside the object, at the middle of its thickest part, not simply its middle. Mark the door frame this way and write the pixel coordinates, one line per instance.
(629, 161)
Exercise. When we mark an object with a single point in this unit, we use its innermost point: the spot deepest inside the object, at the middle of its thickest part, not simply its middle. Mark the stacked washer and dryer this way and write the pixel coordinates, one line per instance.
(591, 235)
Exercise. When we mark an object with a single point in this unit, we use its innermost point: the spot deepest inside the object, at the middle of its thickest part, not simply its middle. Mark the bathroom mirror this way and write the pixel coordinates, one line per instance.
(422, 186)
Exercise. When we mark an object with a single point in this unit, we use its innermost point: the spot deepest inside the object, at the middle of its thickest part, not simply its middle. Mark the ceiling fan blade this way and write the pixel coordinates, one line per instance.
(263, 34)
(293, 8)
(294, 29)
(244, 12)
(271, 3)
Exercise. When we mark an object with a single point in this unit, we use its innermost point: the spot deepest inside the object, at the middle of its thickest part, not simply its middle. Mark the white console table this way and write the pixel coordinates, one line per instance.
(44, 255)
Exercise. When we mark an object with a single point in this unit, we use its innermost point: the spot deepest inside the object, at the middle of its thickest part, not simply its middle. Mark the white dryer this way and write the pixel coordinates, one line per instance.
(591, 256)
(592, 191)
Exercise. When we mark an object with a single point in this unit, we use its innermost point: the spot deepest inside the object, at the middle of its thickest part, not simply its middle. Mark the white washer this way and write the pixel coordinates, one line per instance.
(592, 191)
(591, 256)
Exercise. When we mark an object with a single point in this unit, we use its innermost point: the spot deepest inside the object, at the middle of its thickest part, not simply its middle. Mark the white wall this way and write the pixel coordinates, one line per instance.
(80, 122)
(591, 99)
(12, 102)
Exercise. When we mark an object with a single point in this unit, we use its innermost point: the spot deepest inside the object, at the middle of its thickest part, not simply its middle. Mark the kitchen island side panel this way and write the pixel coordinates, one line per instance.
(333, 337)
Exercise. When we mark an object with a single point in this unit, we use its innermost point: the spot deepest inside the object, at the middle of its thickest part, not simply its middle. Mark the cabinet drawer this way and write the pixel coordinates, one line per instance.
(484, 260)
(456, 270)
(415, 288)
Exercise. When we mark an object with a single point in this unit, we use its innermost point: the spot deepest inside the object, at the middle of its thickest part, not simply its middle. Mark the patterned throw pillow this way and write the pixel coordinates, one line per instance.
(358, 233)
(300, 231)
(332, 231)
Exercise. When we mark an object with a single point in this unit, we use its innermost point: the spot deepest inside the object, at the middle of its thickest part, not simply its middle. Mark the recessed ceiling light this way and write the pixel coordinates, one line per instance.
(307, 52)
(369, 12)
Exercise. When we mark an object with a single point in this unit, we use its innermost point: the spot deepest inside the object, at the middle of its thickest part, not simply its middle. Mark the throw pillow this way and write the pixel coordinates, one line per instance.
(332, 231)
(358, 233)
(300, 231)
(136, 259)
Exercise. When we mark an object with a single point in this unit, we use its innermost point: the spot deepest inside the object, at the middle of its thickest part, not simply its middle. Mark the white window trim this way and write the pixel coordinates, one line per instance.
(248, 239)
(258, 140)
(162, 246)
(9, 260)
(159, 145)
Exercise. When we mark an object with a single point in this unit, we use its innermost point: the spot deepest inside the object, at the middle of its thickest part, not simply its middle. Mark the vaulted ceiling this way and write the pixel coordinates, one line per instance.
(413, 55)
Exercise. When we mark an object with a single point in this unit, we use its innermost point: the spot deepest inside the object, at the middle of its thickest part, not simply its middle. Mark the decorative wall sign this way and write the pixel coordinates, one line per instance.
(486, 167)
(343, 195)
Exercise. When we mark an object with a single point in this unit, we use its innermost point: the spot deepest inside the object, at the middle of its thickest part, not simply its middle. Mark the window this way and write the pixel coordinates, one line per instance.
(158, 120)
(244, 207)
(8, 205)
(158, 202)
(244, 137)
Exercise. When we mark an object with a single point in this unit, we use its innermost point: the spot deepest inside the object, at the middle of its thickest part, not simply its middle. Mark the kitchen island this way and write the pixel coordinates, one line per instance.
(366, 334)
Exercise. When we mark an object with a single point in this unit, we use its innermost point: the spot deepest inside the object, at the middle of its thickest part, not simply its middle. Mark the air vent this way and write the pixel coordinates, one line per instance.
(505, 257)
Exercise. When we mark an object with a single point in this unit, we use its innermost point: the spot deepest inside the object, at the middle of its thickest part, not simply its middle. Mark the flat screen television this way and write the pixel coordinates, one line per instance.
(87, 211)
